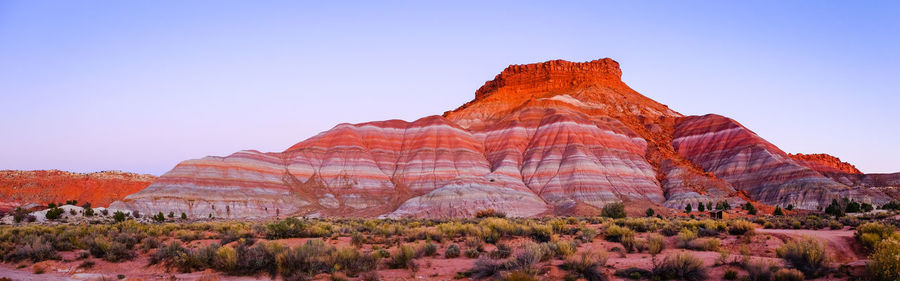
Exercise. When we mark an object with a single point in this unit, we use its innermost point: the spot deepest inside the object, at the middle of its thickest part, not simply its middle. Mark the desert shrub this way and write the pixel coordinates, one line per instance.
(806, 255)
(704, 244)
(357, 239)
(118, 252)
(527, 257)
(614, 210)
(615, 233)
(485, 268)
(655, 243)
(635, 273)
(670, 229)
(352, 261)
(541, 233)
(885, 261)
(308, 259)
(586, 234)
(759, 270)
(403, 257)
(650, 212)
(870, 234)
(785, 274)
(519, 276)
(562, 249)
(452, 251)
(165, 255)
(259, 258)
(588, 265)
(472, 253)
(427, 250)
(503, 251)
(740, 227)
(226, 259)
(489, 213)
(36, 249)
(682, 266)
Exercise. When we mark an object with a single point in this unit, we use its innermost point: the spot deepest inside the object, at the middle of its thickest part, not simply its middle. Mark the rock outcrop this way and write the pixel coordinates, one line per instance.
(556, 137)
(53, 186)
(822, 162)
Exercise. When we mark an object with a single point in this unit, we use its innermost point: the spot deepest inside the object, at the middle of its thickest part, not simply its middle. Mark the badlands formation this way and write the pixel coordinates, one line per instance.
(552, 138)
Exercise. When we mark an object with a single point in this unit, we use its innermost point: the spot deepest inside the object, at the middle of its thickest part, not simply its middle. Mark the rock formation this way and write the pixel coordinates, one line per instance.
(53, 186)
(556, 137)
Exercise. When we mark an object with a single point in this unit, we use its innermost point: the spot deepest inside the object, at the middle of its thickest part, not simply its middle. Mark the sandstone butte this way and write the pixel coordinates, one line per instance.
(53, 186)
(552, 138)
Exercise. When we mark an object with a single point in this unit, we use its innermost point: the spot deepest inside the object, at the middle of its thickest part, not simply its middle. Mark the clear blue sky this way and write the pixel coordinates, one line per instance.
(141, 85)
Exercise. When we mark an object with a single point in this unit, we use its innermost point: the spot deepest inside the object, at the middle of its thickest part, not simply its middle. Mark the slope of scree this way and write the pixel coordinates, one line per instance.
(548, 138)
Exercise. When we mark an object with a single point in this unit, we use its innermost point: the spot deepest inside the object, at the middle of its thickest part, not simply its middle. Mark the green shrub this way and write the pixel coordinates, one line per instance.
(685, 236)
(614, 210)
(806, 255)
(452, 251)
(118, 216)
(884, 263)
(785, 274)
(226, 259)
(54, 213)
(682, 266)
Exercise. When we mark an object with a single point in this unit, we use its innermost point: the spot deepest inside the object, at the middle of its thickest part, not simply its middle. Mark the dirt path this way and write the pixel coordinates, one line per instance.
(841, 244)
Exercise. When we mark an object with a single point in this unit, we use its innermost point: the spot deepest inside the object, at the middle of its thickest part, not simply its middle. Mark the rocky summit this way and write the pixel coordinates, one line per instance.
(551, 138)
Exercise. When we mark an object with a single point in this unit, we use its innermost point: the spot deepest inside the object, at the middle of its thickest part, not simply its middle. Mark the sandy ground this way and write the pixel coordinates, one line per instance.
(841, 244)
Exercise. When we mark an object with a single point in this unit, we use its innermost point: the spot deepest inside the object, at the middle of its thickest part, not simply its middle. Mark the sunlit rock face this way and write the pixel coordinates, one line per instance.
(53, 186)
(552, 138)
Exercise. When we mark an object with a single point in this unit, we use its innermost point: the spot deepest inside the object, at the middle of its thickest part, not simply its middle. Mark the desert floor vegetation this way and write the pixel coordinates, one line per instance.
(489, 247)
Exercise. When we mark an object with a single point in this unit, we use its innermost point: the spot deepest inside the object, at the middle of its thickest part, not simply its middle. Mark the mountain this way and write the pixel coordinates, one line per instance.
(551, 138)
(54, 186)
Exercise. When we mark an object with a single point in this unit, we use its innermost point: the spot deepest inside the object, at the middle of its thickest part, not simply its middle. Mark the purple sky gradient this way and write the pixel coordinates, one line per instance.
(141, 85)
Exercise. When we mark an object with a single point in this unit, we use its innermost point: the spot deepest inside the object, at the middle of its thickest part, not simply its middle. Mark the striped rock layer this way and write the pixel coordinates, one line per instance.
(541, 139)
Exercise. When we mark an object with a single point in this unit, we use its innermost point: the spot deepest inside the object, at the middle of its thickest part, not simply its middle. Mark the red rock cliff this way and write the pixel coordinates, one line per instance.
(53, 186)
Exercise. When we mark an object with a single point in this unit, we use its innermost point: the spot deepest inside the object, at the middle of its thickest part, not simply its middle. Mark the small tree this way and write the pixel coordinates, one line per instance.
(866, 207)
(51, 205)
(688, 208)
(725, 205)
(790, 207)
(171, 215)
(650, 212)
(700, 207)
(750, 209)
(777, 211)
(852, 207)
(159, 217)
(183, 216)
(614, 210)
(835, 209)
(709, 206)
(119, 216)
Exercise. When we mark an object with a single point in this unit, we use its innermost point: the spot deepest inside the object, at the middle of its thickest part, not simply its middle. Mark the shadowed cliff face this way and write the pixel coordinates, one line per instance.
(42, 187)
(556, 137)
